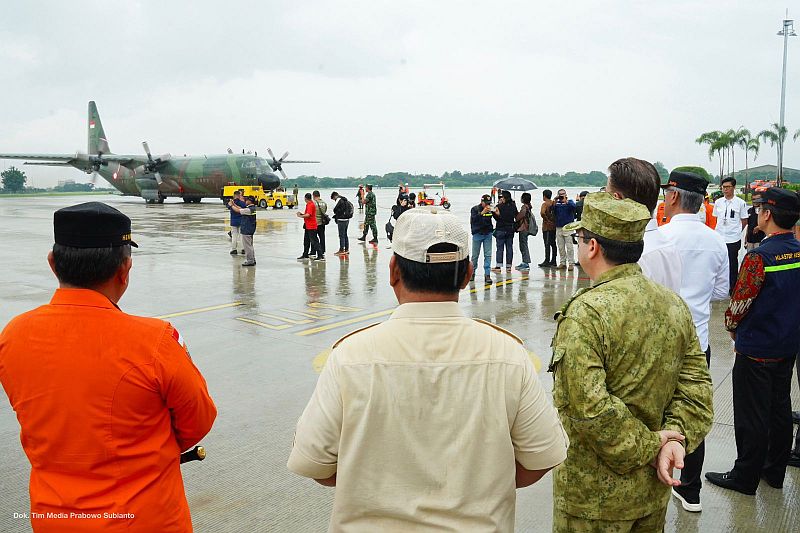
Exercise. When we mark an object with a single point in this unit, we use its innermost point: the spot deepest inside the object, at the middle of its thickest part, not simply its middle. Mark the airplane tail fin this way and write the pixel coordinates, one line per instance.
(98, 144)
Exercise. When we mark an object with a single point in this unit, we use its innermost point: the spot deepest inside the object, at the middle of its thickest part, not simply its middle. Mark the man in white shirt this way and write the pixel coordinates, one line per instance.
(638, 180)
(731, 213)
(704, 278)
(435, 430)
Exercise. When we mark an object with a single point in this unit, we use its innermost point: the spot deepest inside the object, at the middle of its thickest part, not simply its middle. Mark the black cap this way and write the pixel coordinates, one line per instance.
(688, 181)
(780, 198)
(486, 198)
(92, 225)
(583, 193)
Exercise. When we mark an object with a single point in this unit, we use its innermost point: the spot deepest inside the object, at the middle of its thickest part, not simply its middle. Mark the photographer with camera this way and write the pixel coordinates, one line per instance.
(564, 210)
(480, 222)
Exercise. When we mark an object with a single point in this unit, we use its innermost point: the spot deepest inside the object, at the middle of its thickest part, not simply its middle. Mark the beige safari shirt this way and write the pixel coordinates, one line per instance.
(421, 418)
(627, 364)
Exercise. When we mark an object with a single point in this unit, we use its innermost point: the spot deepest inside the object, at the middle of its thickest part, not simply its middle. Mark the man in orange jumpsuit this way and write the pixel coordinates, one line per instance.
(106, 401)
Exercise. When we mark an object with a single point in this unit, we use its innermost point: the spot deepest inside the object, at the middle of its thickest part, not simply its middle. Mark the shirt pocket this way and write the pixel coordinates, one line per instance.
(560, 397)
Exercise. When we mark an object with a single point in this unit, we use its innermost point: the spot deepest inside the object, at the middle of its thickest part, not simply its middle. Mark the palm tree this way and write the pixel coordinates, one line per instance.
(775, 136)
(711, 138)
(738, 138)
(748, 143)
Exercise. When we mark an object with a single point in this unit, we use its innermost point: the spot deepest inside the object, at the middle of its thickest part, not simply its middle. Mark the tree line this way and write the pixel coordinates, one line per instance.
(723, 144)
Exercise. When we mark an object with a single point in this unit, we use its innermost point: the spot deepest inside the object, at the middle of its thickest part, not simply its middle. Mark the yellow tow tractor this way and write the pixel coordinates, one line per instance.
(264, 199)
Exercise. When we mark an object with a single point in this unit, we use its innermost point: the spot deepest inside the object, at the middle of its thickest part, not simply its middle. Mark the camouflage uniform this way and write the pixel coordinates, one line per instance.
(626, 363)
(369, 215)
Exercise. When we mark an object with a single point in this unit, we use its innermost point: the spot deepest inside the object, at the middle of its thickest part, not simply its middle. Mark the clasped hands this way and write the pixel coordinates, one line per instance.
(670, 456)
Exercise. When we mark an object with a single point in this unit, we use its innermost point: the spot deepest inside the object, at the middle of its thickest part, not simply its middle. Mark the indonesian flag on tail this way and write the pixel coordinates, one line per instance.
(91, 124)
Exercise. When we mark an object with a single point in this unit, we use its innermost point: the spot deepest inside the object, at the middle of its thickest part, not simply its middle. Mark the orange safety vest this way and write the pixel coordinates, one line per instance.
(106, 402)
(711, 220)
(661, 218)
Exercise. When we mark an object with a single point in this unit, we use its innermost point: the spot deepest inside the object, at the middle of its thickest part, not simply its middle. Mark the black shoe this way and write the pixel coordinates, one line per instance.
(249, 264)
(234, 252)
(728, 480)
(374, 241)
(319, 258)
(795, 417)
(794, 460)
(362, 239)
(553, 264)
(487, 280)
(304, 256)
(689, 501)
(544, 264)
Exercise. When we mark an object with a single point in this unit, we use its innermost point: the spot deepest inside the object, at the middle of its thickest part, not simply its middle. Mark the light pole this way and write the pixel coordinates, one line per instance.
(786, 32)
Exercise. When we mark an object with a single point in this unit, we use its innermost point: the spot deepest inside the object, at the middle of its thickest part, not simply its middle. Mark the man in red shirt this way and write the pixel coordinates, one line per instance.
(310, 225)
(106, 401)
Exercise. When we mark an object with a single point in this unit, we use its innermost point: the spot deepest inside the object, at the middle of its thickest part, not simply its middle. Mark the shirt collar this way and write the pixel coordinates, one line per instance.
(428, 310)
(686, 217)
(81, 297)
(617, 272)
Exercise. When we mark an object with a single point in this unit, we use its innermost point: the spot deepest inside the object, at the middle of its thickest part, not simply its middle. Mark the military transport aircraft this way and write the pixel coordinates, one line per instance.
(191, 178)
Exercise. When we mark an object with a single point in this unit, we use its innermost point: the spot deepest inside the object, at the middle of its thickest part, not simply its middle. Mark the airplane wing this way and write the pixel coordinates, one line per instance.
(293, 161)
(78, 160)
(40, 157)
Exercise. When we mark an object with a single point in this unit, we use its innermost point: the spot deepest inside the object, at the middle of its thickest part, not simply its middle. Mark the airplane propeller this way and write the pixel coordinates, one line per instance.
(96, 161)
(153, 164)
(276, 163)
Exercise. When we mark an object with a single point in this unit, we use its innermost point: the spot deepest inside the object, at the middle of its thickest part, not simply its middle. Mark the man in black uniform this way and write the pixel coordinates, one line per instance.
(764, 320)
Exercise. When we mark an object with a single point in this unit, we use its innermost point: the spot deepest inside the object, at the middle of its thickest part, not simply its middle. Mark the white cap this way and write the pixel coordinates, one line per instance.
(422, 227)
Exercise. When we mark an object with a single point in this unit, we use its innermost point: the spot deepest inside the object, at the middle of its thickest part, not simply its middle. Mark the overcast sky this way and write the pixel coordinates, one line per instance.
(379, 86)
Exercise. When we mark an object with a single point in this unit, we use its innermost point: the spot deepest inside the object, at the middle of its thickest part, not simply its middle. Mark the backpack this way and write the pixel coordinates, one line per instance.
(348, 208)
(533, 228)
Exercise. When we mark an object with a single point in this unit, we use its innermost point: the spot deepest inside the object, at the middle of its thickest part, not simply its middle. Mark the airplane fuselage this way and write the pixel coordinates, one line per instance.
(193, 177)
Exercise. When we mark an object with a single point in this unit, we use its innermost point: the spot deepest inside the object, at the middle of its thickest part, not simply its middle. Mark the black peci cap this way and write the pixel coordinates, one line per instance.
(688, 181)
(779, 198)
(91, 225)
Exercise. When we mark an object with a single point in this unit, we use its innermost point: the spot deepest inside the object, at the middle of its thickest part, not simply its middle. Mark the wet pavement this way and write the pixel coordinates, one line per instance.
(257, 334)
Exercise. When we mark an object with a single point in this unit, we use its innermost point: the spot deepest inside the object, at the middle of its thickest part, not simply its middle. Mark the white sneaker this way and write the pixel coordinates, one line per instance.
(691, 507)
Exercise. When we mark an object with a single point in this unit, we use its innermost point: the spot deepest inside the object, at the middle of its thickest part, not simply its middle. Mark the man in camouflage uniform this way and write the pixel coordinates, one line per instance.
(631, 383)
(369, 218)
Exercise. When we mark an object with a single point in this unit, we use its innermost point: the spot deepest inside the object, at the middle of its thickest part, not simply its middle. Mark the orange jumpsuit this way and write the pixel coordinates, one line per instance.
(106, 402)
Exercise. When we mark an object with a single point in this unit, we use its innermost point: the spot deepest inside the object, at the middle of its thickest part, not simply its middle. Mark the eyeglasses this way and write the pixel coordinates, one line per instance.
(727, 186)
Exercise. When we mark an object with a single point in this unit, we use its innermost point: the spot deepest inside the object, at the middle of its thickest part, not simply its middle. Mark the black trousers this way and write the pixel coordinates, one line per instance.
(550, 244)
(733, 263)
(691, 475)
(311, 240)
(762, 418)
(320, 231)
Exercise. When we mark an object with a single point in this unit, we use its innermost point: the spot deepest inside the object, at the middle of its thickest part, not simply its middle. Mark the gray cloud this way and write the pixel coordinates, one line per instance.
(380, 86)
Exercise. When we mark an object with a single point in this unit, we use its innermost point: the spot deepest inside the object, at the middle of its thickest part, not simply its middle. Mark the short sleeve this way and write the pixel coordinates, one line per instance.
(315, 451)
(539, 440)
(743, 210)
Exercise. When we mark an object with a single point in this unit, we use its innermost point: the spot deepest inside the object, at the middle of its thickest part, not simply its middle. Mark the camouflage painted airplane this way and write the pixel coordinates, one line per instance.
(190, 178)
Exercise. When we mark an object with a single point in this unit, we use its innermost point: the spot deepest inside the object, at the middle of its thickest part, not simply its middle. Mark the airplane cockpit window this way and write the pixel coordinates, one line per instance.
(261, 163)
(249, 164)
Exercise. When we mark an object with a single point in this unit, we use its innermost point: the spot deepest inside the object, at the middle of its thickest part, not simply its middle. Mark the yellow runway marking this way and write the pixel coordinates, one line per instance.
(506, 282)
(287, 320)
(199, 310)
(264, 324)
(335, 325)
(314, 315)
(320, 305)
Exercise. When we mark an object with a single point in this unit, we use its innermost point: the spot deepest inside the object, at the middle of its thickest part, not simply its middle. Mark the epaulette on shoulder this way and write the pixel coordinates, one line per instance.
(498, 328)
(337, 343)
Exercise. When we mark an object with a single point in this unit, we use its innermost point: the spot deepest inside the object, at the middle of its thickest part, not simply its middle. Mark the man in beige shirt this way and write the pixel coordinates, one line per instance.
(429, 420)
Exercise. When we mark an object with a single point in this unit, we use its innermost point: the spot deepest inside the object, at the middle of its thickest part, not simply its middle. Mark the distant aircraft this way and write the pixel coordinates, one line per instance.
(190, 178)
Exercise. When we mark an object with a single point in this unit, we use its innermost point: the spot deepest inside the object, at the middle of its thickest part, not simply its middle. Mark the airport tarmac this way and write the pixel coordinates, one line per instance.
(257, 333)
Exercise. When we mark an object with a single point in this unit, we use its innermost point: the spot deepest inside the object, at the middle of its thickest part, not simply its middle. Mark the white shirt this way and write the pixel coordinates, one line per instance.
(661, 259)
(730, 214)
(704, 259)
(421, 419)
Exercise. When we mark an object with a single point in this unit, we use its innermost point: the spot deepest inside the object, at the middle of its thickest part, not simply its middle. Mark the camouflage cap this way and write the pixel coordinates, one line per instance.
(618, 220)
